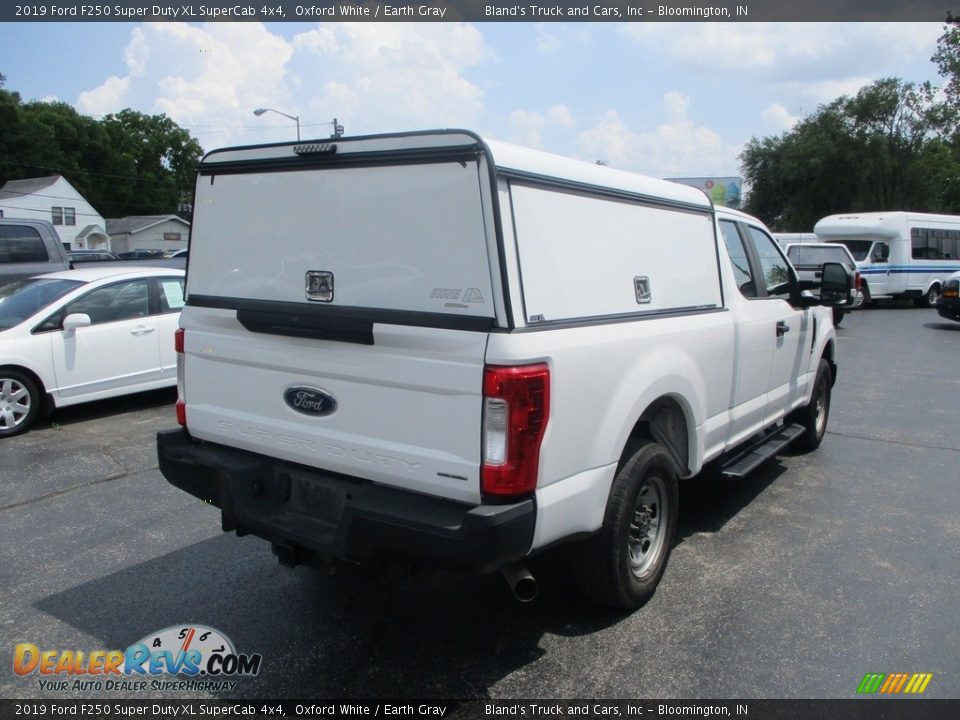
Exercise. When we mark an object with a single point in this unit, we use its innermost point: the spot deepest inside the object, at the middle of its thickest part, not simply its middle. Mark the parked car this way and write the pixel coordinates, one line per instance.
(142, 254)
(82, 335)
(177, 254)
(29, 247)
(949, 303)
(84, 256)
(808, 258)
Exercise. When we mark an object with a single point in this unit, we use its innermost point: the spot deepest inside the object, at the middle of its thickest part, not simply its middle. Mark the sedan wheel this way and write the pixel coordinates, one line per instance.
(19, 403)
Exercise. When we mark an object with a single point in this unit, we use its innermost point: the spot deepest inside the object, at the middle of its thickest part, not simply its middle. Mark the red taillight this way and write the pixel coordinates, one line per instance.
(857, 280)
(516, 407)
(178, 342)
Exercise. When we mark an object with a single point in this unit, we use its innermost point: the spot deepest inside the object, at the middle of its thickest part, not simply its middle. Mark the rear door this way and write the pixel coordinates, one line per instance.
(338, 304)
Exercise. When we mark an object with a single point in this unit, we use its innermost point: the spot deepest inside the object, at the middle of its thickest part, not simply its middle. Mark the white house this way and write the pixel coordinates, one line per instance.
(54, 199)
(136, 232)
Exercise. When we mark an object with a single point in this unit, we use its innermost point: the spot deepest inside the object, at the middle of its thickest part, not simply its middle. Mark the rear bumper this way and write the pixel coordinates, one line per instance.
(310, 515)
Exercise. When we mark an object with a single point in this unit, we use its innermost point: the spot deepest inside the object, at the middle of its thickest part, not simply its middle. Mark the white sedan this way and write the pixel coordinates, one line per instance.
(80, 335)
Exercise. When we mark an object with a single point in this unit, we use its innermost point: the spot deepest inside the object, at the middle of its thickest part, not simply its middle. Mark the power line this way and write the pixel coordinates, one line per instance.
(78, 214)
(86, 172)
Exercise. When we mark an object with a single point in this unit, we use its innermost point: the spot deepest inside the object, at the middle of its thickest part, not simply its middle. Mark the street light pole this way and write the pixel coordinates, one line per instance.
(296, 118)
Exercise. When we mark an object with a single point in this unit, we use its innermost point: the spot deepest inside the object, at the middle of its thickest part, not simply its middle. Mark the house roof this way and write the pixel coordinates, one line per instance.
(90, 230)
(28, 186)
(136, 223)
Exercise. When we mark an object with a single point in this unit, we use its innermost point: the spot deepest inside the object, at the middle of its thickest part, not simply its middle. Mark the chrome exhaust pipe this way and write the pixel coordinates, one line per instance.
(522, 584)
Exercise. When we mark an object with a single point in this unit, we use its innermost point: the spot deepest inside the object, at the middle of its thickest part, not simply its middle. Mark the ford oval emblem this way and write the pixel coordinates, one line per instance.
(309, 400)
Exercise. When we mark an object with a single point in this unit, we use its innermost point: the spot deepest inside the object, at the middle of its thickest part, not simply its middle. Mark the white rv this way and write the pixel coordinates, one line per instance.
(898, 254)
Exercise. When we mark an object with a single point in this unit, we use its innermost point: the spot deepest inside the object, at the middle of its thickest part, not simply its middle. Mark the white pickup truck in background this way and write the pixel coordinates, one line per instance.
(433, 349)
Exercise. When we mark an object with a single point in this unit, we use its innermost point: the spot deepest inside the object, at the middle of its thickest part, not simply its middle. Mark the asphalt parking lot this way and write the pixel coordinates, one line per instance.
(792, 584)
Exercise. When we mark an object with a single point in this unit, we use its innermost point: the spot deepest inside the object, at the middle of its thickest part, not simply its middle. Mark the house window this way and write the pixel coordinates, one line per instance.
(57, 213)
(69, 216)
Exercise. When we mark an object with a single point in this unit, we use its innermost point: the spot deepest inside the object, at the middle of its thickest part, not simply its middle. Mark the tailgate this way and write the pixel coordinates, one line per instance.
(338, 308)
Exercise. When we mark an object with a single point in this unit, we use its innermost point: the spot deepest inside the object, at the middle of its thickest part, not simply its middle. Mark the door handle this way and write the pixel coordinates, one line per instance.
(142, 331)
(782, 328)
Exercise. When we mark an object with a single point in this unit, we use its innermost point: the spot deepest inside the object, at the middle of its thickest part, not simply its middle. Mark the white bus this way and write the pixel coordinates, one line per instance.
(898, 254)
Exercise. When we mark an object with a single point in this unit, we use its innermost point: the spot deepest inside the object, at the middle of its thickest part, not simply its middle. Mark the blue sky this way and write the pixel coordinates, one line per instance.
(663, 99)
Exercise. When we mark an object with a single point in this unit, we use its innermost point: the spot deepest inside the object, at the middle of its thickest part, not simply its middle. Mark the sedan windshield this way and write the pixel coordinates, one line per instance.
(19, 300)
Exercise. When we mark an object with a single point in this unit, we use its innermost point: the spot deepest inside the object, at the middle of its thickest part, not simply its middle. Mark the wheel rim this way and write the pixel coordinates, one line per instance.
(14, 403)
(648, 526)
(820, 408)
(933, 295)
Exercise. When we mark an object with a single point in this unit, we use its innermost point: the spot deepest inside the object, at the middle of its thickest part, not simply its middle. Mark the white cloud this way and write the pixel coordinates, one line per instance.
(545, 40)
(676, 105)
(526, 127)
(787, 51)
(109, 97)
(560, 116)
(778, 117)
(678, 147)
(398, 76)
(371, 76)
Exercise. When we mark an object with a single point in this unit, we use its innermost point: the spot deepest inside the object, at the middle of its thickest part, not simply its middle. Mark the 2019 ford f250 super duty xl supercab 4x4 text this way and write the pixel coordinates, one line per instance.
(434, 349)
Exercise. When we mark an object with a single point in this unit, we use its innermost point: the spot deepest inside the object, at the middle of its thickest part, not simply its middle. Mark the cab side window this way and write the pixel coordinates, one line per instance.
(738, 256)
(777, 274)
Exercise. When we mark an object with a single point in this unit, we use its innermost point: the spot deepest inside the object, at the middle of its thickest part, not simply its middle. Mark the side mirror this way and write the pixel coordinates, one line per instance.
(835, 285)
(76, 320)
(880, 253)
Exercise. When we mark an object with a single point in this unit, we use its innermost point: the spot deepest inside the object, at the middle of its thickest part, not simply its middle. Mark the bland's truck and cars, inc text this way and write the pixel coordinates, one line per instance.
(434, 349)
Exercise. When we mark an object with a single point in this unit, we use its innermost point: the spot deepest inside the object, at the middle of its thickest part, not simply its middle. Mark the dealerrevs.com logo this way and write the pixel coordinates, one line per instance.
(180, 657)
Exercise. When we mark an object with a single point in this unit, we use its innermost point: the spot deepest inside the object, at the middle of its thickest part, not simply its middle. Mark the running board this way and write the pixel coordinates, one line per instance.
(742, 463)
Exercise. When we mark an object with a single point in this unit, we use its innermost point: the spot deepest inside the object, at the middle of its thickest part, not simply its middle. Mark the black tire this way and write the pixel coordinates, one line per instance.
(862, 297)
(815, 414)
(930, 299)
(19, 402)
(621, 565)
(838, 314)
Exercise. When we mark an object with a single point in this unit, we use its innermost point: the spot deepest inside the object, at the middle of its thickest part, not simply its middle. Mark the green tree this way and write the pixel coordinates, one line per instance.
(128, 163)
(154, 149)
(947, 60)
(876, 150)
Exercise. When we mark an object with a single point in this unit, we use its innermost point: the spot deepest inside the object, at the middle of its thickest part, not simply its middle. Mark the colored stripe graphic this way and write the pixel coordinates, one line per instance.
(894, 683)
(870, 683)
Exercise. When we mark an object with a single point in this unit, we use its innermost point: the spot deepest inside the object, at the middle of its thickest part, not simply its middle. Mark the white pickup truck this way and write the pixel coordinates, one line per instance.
(433, 349)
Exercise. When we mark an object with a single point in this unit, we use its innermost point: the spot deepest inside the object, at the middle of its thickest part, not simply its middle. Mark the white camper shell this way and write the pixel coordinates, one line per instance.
(433, 348)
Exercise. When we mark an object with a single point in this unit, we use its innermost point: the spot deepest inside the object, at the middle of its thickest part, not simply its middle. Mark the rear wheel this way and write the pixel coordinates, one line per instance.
(861, 297)
(19, 402)
(814, 415)
(621, 565)
(838, 314)
(930, 299)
